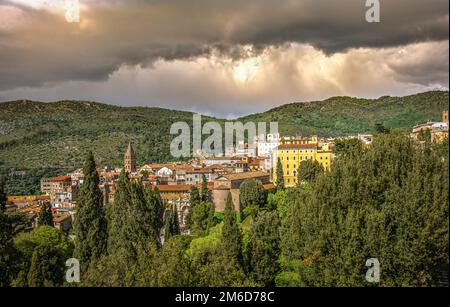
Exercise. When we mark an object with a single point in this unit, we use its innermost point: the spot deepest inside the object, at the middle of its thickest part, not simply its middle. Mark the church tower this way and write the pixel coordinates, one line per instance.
(130, 160)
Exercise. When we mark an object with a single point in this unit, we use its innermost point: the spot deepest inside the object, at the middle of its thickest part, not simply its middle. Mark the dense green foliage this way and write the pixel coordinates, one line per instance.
(45, 215)
(231, 234)
(171, 225)
(264, 248)
(201, 218)
(90, 226)
(6, 249)
(279, 182)
(47, 267)
(251, 196)
(390, 202)
(308, 171)
(26, 243)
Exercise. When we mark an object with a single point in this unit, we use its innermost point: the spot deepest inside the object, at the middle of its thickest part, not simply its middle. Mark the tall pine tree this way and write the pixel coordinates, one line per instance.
(6, 249)
(45, 215)
(90, 226)
(172, 227)
(2, 194)
(280, 175)
(231, 234)
(204, 190)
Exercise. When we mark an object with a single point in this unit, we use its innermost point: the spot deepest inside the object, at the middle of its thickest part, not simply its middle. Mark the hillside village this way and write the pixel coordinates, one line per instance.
(175, 181)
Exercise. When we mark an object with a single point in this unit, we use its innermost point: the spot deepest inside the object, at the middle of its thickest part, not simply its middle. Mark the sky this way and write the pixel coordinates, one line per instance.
(224, 58)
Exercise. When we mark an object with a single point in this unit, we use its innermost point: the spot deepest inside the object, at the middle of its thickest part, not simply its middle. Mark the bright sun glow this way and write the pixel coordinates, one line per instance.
(246, 70)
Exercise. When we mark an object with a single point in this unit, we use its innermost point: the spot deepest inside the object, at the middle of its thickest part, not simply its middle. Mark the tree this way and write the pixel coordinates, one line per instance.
(90, 226)
(204, 190)
(231, 234)
(135, 218)
(201, 217)
(45, 215)
(26, 243)
(174, 267)
(119, 215)
(385, 202)
(264, 248)
(172, 227)
(252, 196)
(2, 194)
(308, 171)
(279, 183)
(348, 147)
(47, 267)
(381, 129)
(194, 197)
(6, 250)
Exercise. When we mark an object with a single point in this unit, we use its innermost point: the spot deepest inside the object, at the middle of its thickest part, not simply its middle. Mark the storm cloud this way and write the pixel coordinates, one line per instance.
(201, 43)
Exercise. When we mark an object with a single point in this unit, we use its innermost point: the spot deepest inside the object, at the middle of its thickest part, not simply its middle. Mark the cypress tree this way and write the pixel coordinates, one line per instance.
(90, 226)
(6, 249)
(231, 234)
(204, 189)
(172, 227)
(119, 214)
(194, 197)
(280, 175)
(2, 194)
(45, 215)
(264, 248)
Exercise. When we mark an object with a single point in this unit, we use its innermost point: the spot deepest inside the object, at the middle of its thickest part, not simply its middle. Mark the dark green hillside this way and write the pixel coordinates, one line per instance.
(51, 138)
(346, 115)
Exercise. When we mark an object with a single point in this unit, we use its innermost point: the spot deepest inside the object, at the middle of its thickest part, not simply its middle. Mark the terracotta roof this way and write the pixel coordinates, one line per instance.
(180, 187)
(58, 218)
(269, 186)
(245, 175)
(297, 146)
(60, 178)
(199, 171)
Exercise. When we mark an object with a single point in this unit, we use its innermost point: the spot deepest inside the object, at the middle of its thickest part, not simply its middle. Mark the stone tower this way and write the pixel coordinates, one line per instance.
(445, 116)
(130, 160)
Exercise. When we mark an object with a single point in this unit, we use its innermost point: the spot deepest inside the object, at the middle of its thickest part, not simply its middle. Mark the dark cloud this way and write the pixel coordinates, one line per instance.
(43, 48)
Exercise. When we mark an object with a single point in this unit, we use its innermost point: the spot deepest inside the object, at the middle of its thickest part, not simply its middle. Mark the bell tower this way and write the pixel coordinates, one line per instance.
(130, 160)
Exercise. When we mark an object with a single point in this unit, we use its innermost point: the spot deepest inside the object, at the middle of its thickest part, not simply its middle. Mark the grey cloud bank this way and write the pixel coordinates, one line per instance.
(222, 57)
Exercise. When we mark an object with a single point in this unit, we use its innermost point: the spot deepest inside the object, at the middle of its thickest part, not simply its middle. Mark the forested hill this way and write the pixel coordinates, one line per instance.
(46, 135)
(35, 134)
(346, 115)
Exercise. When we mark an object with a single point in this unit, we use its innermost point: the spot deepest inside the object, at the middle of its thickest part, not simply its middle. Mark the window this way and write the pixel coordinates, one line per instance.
(287, 158)
(295, 173)
(287, 173)
(294, 158)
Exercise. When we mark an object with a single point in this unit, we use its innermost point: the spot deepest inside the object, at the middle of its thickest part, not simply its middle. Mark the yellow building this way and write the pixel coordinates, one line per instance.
(291, 155)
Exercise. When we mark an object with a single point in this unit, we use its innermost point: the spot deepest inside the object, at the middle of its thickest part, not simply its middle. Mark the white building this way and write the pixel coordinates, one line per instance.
(265, 145)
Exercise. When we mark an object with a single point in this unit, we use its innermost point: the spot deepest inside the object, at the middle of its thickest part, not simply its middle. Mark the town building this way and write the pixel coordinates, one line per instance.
(437, 130)
(230, 183)
(130, 160)
(292, 154)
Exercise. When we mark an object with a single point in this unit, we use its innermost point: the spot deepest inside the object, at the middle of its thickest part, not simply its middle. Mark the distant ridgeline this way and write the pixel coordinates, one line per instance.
(47, 137)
